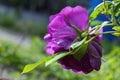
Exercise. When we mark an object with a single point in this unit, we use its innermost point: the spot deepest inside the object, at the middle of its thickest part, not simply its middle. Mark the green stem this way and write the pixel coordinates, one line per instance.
(106, 25)
(113, 17)
(109, 25)
(90, 39)
(108, 32)
(77, 49)
(76, 29)
(113, 20)
(106, 11)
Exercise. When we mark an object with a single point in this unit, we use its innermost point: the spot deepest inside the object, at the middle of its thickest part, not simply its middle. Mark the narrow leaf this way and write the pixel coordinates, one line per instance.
(30, 67)
(118, 20)
(80, 53)
(117, 8)
(117, 34)
(57, 57)
(95, 22)
(100, 9)
(78, 50)
(77, 44)
(117, 28)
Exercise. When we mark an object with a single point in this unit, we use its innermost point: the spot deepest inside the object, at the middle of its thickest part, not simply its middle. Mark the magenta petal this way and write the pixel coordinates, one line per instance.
(95, 63)
(83, 66)
(77, 16)
(100, 36)
(65, 62)
(53, 48)
(96, 67)
(95, 59)
(47, 37)
(98, 47)
(64, 43)
(59, 29)
(61, 33)
(52, 17)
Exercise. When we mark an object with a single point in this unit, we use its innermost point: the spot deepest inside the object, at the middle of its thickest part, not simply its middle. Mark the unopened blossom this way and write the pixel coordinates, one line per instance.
(61, 36)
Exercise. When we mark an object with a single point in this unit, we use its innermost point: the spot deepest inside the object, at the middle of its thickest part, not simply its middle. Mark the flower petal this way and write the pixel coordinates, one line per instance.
(83, 66)
(77, 16)
(59, 29)
(53, 48)
(99, 38)
(47, 37)
(52, 17)
(98, 47)
(95, 59)
(64, 43)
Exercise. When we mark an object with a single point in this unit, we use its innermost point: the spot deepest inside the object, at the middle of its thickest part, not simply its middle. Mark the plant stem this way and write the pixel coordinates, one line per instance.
(106, 11)
(108, 32)
(108, 25)
(90, 39)
(113, 20)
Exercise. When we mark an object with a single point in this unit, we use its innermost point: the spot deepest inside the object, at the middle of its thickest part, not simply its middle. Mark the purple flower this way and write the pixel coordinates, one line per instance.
(61, 35)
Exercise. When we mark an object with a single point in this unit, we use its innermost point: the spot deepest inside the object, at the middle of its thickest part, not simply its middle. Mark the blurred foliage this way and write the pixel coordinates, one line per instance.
(13, 60)
(7, 20)
(26, 26)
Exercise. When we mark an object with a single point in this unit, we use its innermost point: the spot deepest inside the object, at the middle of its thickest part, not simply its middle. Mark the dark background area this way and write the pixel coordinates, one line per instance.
(51, 6)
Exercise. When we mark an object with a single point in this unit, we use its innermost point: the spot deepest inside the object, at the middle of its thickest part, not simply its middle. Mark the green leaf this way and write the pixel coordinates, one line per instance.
(118, 20)
(77, 44)
(81, 51)
(47, 61)
(57, 57)
(117, 28)
(95, 22)
(78, 49)
(117, 34)
(100, 9)
(117, 8)
(30, 67)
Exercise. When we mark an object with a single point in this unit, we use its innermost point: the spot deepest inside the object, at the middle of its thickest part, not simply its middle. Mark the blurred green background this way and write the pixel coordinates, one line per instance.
(23, 23)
